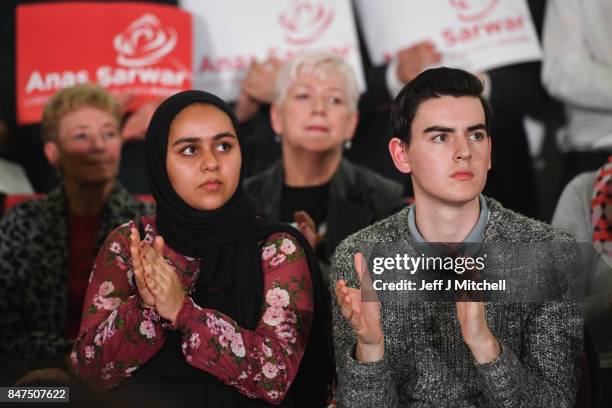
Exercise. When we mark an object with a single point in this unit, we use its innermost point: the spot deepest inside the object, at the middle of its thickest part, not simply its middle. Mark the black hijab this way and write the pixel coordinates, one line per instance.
(228, 242)
(190, 231)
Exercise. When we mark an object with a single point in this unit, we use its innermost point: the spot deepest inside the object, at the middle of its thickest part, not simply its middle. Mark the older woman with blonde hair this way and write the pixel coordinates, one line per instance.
(315, 114)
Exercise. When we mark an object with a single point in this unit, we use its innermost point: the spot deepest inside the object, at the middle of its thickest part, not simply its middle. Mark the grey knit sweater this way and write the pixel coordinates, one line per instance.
(426, 362)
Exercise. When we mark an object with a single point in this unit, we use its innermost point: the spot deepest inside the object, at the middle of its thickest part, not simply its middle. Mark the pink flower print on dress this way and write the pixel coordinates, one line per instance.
(121, 263)
(106, 288)
(268, 252)
(269, 370)
(290, 316)
(185, 352)
(286, 331)
(130, 277)
(150, 314)
(147, 329)
(130, 370)
(194, 341)
(274, 316)
(227, 331)
(106, 371)
(237, 345)
(106, 303)
(277, 297)
(287, 246)
(89, 352)
(267, 350)
(278, 259)
(115, 248)
(226, 328)
(213, 324)
(108, 329)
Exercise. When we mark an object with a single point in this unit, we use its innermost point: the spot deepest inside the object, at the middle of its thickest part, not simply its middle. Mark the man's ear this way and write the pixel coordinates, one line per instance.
(52, 153)
(275, 118)
(399, 154)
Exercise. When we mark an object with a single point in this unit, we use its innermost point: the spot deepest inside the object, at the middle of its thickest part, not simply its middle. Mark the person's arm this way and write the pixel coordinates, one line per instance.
(570, 71)
(118, 333)
(264, 362)
(545, 373)
(360, 384)
(17, 338)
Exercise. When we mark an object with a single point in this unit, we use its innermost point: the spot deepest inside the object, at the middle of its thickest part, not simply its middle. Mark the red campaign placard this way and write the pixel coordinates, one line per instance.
(139, 49)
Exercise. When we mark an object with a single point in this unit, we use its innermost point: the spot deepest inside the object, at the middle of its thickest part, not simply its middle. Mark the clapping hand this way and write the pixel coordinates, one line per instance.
(476, 333)
(147, 297)
(158, 283)
(307, 227)
(364, 316)
(162, 280)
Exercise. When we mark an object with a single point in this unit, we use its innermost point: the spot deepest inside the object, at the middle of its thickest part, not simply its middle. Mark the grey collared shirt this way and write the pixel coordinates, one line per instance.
(476, 235)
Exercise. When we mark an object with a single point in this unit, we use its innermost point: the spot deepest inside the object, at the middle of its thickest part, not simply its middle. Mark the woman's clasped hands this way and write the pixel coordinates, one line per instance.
(157, 282)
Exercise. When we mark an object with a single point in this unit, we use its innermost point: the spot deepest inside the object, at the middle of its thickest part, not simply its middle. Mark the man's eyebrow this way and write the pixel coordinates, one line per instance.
(195, 139)
(439, 129)
(479, 126)
(431, 129)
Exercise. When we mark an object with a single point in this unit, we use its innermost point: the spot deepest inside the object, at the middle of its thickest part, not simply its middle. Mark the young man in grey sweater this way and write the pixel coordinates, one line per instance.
(403, 351)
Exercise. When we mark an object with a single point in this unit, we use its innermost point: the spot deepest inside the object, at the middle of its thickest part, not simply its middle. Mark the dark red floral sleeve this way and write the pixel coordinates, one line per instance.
(117, 335)
(260, 363)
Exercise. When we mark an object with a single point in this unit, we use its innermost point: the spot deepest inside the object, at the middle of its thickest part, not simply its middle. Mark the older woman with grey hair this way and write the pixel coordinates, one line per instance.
(315, 115)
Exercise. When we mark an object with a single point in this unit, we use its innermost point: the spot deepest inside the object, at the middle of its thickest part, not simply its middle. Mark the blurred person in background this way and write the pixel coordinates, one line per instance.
(315, 114)
(25, 142)
(585, 212)
(253, 111)
(577, 70)
(48, 245)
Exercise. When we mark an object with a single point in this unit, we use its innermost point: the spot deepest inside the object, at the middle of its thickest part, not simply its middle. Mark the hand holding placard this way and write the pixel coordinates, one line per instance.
(415, 59)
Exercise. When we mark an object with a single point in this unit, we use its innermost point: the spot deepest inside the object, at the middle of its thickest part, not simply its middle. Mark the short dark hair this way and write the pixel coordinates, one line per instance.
(434, 83)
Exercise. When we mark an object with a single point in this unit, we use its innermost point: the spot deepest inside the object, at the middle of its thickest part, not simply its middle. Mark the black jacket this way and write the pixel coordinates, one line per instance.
(358, 197)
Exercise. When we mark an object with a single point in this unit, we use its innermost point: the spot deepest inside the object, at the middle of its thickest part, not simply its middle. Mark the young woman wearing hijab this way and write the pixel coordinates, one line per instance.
(223, 311)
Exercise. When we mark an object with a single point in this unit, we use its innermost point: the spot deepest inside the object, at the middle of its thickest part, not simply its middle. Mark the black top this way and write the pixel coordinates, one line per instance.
(312, 200)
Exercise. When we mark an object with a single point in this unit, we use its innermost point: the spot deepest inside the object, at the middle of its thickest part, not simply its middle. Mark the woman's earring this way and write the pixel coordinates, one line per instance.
(348, 144)
(277, 138)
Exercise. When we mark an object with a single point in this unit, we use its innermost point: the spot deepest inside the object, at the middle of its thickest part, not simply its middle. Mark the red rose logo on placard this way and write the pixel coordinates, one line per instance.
(305, 21)
(144, 42)
(471, 10)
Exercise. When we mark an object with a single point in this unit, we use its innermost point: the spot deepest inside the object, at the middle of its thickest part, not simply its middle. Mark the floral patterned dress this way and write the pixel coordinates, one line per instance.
(118, 335)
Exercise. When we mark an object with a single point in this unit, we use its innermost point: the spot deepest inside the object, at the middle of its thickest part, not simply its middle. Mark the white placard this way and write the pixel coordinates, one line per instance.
(475, 35)
(229, 33)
